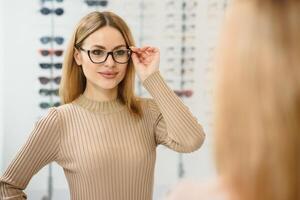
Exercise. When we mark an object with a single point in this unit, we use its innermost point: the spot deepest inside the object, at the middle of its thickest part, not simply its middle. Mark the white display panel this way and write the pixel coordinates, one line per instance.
(1, 86)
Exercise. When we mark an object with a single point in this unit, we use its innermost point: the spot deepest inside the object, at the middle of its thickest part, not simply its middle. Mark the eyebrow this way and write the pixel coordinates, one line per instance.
(103, 47)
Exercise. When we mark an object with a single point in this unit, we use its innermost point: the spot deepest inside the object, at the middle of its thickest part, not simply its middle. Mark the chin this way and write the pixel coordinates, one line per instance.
(108, 86)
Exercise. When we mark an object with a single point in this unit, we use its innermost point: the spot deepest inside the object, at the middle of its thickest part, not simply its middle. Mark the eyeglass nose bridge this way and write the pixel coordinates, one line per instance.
(112, 55)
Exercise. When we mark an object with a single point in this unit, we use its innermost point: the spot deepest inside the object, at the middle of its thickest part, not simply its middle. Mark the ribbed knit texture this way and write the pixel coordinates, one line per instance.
(105, 152)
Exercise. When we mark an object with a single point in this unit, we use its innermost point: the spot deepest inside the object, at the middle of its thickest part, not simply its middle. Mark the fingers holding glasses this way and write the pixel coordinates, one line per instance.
(145, 53)
(146, 60)
(146, 49)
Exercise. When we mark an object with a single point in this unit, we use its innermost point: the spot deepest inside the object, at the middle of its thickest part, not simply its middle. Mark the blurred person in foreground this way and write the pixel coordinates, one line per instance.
(257, 106)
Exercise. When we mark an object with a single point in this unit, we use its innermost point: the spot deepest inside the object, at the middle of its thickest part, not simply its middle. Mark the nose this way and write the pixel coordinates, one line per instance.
(109, 61)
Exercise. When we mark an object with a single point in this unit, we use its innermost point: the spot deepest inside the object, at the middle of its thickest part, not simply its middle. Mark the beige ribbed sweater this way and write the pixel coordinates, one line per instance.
(105, 152)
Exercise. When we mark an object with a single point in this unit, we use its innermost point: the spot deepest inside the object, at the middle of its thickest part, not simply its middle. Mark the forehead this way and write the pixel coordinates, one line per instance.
(107, 36)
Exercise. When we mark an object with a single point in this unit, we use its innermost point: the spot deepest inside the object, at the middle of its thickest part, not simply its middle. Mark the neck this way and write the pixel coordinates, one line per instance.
(100, 94)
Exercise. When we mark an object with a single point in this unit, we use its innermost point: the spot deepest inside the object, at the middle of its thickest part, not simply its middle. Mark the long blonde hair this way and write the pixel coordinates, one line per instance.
(73, 81)
(257, 113)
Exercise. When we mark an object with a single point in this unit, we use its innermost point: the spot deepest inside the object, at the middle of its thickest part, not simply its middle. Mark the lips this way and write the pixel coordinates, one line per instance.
(108, 74)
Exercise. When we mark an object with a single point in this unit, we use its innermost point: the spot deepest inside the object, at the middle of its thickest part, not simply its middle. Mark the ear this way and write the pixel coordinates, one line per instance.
(77, 57)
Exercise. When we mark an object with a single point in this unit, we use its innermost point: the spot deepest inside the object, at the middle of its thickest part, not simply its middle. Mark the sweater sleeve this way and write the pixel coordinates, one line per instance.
(174, 125)
(40, 149)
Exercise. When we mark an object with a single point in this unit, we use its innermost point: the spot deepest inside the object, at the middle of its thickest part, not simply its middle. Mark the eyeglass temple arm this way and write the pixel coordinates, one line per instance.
(77, 46)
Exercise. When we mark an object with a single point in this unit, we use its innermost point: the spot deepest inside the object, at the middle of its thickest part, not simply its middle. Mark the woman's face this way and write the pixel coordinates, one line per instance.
(108, 74)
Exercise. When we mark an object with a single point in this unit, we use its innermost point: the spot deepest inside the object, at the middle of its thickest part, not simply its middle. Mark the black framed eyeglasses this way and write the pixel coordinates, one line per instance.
(44, 80)
(50, 65)
(97, 55)
(96, 2)
(186, 93)
(48, 92)
(47, 11)
(45, 105)
(47, 39)
(58, 1)
(47, 52)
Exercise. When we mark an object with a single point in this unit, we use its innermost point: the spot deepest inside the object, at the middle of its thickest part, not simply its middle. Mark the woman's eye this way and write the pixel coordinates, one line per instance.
(98, 52)
(120, 52)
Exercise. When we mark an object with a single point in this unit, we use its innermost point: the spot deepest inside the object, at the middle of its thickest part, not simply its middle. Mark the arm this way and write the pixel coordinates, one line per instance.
(40, 149)
(175, 126)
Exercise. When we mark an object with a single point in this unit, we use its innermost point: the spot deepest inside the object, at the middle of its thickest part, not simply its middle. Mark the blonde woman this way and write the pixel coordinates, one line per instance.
(257, 133)
(104, 137)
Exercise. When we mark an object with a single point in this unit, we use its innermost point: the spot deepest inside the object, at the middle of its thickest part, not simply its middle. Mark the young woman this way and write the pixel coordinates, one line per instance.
(104, 137)
(257, 135)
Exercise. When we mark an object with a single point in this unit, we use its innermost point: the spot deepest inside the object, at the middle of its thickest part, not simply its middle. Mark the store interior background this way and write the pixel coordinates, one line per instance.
(186, 32)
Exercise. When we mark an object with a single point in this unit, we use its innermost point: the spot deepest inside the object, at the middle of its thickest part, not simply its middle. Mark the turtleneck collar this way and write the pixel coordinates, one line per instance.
(99, 106)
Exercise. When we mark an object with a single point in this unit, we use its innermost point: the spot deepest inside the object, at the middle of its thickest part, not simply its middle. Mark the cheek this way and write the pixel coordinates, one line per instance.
(88, 70)
(122, 72)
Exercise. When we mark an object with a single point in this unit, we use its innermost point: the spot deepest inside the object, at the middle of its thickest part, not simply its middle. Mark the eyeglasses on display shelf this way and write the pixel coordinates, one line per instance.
(50, 65)
(172, 51)
(184, 93)
(172, 5)
(51, 52)
(184, 16)
(48, 92)
(92, 3)
(48, 39)
(186, 81)
(188, 38)
(45, 1)
(45, 105)
(45, 80)
(189, 5)
(189, 16)
(173, 61)
(47, 11)
(179, 37)
(188, 61)
(186, 72)
(188, 50)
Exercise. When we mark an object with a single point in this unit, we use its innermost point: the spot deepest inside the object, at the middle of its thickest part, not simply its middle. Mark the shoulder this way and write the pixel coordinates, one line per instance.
(48, 121)
(194, 190)
(60, 113)
(64, 109)
(51, 116)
